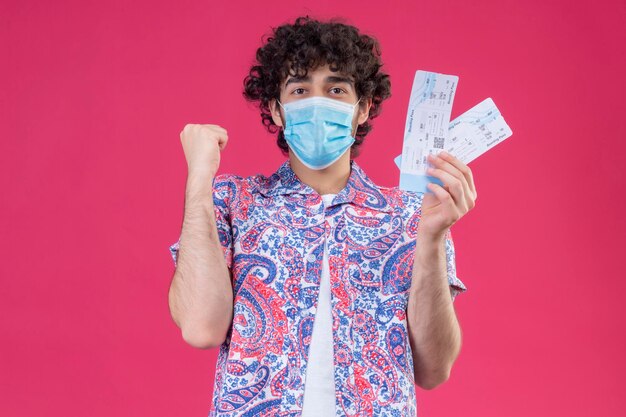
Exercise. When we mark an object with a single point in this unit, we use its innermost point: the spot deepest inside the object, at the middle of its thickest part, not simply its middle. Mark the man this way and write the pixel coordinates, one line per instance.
(327, 294)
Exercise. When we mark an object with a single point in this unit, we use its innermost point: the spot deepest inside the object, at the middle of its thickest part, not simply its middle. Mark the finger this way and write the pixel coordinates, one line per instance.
(465, 170)
(222, 141)
(452, 169)
(217, 128)
(441, 162)
(219, 133)
(212, 130)
(452, 184)
(444, 198)
(447, 166)
(221, 130)
(429, 199)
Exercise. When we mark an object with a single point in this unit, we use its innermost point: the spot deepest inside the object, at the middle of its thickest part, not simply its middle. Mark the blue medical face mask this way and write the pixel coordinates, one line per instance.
(318, 129)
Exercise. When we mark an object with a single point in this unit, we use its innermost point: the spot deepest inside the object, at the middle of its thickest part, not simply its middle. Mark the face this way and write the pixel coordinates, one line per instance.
(321, 82)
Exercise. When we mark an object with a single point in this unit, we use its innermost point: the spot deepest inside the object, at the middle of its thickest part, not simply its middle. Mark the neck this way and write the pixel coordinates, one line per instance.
(330, 180)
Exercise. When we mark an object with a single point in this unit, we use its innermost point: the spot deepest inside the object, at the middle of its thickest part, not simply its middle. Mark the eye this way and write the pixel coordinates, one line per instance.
(337, 90)
(298, 91)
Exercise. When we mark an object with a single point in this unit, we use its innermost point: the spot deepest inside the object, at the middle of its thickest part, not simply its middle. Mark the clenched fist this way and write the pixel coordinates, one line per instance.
(202, 145)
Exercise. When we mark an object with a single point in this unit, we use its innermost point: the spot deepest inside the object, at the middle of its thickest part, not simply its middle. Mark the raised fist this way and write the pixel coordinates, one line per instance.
(202, 145)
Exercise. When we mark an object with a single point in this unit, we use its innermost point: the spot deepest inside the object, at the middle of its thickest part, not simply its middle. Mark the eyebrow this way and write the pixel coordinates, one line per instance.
(329, 79)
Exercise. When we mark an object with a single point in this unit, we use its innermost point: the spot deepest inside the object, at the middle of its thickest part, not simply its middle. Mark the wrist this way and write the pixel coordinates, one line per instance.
(431, 238)
(202, 173)
(199, 185)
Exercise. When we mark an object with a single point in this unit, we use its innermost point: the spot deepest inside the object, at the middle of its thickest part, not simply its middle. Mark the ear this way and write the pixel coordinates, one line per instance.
(364, 110)
(275, 111)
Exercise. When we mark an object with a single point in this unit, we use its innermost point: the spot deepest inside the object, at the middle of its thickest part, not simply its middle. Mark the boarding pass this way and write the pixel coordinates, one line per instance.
(426, 128)
(474, 132)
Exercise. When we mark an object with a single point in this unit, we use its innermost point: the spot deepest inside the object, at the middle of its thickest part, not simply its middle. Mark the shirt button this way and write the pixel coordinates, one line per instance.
(311, 257)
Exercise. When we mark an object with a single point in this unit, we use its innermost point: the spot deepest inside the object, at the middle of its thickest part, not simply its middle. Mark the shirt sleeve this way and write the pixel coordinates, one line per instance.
(221, 203)
(456, 285)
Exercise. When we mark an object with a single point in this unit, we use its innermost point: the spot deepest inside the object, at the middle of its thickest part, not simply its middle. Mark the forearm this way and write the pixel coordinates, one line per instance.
(434, 331)
(201, 296)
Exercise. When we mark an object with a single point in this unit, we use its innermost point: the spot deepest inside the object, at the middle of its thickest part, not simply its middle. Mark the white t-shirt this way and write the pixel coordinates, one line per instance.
(319, 387)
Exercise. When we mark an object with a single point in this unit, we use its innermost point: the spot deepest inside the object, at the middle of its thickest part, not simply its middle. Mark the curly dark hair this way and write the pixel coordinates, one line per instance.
(294, 49)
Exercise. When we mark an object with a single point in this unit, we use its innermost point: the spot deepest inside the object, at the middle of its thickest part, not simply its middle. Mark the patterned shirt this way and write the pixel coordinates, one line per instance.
(272, 231)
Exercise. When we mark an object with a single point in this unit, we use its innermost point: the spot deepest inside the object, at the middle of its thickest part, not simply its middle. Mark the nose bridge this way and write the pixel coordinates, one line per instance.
(317, 90)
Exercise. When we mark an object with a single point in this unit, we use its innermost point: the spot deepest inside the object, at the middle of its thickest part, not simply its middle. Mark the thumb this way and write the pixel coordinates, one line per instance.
(429, 199)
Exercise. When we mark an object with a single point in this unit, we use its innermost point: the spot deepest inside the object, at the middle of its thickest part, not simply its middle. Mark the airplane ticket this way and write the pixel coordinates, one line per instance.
(427, 126)
(474, 132)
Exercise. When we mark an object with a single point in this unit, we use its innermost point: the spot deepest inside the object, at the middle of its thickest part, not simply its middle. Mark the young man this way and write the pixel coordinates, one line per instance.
(327, 294)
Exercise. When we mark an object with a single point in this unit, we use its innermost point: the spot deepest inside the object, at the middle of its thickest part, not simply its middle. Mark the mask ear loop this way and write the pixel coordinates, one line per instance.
(281, 118)
(357, 125)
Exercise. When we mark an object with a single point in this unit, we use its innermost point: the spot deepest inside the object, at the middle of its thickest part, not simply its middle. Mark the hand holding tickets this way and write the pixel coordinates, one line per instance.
(467, 137)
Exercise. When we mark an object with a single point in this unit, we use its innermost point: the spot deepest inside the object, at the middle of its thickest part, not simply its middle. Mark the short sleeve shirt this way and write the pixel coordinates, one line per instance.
(273, 231)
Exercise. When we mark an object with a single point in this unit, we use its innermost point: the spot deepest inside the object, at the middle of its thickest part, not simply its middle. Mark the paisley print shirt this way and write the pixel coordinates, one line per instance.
(272, 230)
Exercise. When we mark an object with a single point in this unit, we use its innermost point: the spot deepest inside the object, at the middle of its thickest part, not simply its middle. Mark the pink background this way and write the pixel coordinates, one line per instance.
(94, 96)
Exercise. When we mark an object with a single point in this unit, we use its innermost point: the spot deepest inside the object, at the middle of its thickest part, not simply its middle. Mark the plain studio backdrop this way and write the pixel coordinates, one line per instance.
(93, 97)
